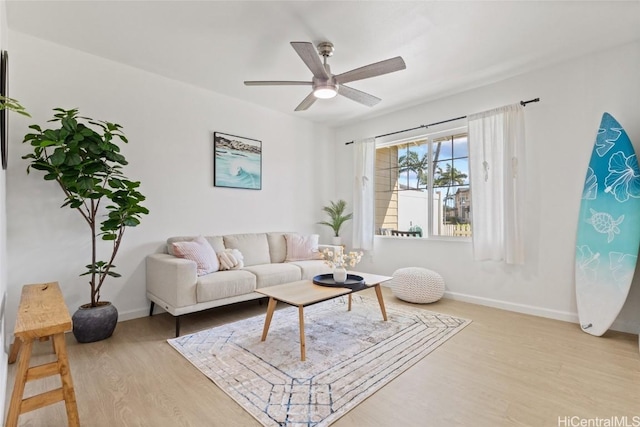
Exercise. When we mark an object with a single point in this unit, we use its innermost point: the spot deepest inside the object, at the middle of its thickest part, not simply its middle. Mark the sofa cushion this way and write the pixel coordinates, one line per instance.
(216, 242)
(300, 248)
(312, 268)
(254, 247)
(200, 251)
(224, 284)
(277, 247)
(274, 274)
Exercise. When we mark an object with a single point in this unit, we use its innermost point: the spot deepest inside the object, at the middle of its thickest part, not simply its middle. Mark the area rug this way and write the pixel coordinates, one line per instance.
(349, 356)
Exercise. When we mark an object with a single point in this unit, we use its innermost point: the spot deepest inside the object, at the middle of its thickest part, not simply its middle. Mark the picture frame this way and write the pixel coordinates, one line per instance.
(4, 114)
(237, 162)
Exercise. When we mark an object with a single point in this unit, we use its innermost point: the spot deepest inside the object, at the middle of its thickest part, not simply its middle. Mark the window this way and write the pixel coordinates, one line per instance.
(423, 187)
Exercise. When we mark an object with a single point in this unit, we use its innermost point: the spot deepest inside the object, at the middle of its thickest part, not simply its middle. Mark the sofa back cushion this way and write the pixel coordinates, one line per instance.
(277, 247)
(254, 247)
(216, 242)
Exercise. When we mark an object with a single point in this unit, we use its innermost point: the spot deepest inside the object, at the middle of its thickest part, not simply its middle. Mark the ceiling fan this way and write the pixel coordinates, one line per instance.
(326, 85)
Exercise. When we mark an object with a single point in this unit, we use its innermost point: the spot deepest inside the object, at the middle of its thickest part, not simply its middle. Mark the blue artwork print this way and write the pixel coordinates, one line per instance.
(608, 228)
(237, 162)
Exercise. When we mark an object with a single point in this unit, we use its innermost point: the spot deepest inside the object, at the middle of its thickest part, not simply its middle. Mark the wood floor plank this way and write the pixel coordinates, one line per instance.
(504, 369)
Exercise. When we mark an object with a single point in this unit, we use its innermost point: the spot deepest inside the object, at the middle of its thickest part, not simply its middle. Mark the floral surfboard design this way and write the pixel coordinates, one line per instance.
(608, 228)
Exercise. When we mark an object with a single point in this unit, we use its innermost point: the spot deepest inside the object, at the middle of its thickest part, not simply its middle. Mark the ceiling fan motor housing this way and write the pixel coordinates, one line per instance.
(325, 88)
(325, 49)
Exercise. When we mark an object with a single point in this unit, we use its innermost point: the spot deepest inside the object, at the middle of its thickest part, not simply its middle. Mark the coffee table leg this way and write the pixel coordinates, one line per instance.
(381, 301)
(349, 309)
(302, 344)
(267, 321)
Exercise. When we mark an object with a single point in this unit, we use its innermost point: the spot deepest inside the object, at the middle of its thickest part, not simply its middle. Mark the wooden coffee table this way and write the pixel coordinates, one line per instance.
(304, 292)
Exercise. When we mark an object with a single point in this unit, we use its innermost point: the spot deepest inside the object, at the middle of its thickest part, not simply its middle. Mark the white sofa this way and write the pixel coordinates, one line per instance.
(173, 283)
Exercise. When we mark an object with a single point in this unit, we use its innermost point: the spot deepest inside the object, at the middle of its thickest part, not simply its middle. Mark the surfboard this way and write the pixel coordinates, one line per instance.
(608, 233)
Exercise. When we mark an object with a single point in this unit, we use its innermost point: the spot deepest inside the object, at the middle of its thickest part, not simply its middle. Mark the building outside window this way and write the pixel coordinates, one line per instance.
(423, 187)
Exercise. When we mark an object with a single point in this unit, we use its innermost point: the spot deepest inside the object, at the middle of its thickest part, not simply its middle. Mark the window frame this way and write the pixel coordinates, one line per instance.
(430, 138)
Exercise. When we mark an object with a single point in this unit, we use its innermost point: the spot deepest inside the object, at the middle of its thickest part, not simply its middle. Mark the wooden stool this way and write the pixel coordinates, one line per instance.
(42, 314)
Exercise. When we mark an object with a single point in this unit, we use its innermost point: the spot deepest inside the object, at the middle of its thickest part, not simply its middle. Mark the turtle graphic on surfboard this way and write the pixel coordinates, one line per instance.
(608, 228)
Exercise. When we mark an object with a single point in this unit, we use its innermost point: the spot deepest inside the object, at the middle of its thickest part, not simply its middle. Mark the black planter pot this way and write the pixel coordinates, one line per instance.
(92, 324)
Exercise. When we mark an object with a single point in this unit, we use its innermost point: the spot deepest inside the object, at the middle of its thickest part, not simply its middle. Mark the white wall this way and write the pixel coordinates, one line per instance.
(170, 127)
(560, 132)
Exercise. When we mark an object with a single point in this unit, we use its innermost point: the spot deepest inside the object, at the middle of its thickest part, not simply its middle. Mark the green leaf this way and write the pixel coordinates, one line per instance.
(115, 183)
(76, 204)
(41, 167)
(85, 183)
(131, 222)
(73, 159)
(58, 156)
(69, 124)
(47, 143)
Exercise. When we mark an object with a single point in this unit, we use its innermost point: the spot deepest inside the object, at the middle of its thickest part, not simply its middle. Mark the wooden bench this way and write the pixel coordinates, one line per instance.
(42, 314)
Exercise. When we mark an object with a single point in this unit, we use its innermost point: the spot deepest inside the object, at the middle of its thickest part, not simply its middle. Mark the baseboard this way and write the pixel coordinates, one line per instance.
(136, 314)
(564, 316)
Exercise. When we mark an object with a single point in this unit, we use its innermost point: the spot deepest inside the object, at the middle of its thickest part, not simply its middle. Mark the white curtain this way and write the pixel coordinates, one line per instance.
(363, 194)
(496, 165)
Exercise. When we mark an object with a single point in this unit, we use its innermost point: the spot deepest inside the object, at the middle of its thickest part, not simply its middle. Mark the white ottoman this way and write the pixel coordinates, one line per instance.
(418, 285)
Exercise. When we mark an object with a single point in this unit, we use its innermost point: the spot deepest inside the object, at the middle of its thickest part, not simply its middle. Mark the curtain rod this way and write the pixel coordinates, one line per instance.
(523, 103)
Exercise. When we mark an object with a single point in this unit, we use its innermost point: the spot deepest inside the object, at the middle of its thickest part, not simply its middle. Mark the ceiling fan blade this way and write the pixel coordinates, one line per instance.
(358, 96)
(372, 70)
(307, 102)
(309, 55)
(275, 83)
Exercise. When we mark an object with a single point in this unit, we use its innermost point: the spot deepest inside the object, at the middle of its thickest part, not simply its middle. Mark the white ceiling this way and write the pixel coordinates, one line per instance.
(447, 46)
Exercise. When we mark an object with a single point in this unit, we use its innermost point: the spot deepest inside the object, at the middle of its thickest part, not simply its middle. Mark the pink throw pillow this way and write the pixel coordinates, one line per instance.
(199, 251)
(301, 248)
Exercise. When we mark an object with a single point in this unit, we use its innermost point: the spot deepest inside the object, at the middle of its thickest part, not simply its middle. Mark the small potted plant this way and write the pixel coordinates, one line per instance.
(337, 218)
(83, 157)
(11, 104)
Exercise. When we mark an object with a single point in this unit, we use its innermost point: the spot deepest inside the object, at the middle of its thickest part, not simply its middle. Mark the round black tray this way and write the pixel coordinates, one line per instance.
(327, 280)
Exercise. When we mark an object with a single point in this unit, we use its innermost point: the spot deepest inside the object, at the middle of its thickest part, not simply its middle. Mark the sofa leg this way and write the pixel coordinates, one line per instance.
(153, 304)
(177, 326)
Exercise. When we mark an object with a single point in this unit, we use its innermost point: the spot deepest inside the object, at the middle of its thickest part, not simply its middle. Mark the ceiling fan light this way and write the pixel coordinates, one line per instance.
(325, 92)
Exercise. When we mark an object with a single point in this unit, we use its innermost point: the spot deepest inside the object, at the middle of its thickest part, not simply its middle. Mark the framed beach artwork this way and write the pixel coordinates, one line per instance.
(237, 162)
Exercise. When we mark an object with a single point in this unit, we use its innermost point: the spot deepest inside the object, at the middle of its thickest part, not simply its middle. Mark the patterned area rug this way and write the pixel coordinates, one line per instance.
(349, 356)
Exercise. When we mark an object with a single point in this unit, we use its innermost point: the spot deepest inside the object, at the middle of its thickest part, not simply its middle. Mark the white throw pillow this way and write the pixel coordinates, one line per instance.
(199, 251)
(230, 259)
(301, 248)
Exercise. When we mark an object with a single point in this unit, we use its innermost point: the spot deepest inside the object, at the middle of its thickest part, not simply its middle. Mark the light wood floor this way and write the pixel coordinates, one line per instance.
(504, 369)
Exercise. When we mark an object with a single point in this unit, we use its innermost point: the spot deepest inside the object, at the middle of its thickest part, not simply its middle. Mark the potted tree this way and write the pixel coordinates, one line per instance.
(337, 218)
(83, 157)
